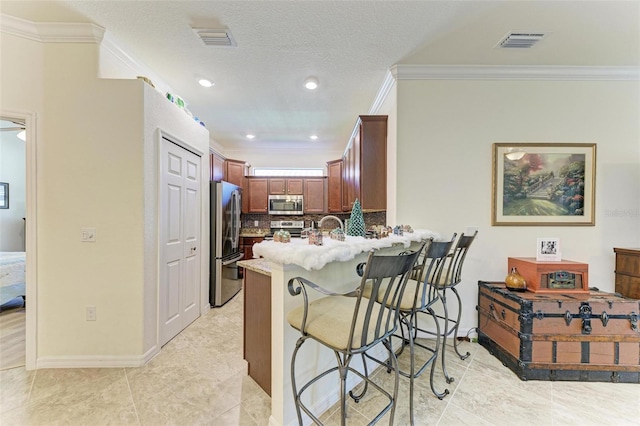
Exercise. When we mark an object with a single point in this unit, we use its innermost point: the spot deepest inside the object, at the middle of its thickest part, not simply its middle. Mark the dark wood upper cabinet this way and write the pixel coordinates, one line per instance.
(258, 195)
(360, 174)
(284, 186)
(216, 166)
(334, 186)
(364, 171)
(235, 172)
(314, 195)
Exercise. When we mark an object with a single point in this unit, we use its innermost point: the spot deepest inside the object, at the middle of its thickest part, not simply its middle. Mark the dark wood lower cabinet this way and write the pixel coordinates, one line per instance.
(257, 327)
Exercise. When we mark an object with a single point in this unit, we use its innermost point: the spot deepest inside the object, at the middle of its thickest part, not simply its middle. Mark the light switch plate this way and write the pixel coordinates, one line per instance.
(88, 235)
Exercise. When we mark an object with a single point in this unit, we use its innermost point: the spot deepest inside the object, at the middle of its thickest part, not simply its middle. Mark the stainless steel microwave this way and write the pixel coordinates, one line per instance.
(286, 204)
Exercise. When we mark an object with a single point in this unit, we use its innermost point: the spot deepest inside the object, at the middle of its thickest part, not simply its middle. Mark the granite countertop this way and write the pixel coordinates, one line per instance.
(260, 265)
(253, 232)
(311, 257)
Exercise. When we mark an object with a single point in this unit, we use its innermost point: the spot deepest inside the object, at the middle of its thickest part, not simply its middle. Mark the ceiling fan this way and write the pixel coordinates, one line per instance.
(13, 125)
(17, 126)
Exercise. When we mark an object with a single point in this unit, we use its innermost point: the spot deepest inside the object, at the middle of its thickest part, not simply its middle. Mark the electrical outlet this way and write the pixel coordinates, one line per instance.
(256, 223)
(88, 235)
(91, 313)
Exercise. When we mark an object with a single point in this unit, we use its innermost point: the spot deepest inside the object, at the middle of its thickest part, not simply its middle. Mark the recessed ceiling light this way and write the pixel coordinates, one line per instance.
(250, 136)
(311, 83)
(313, 137)
(205, 83)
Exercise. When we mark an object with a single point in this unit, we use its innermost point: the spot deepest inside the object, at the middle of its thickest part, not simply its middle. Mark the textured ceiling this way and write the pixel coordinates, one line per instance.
(347, 45)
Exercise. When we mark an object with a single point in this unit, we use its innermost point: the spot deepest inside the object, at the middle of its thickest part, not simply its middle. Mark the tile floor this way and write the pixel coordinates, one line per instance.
(199, 379)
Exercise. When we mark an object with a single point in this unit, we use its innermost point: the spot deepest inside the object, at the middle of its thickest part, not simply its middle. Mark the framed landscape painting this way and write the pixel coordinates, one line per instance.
(543, 184)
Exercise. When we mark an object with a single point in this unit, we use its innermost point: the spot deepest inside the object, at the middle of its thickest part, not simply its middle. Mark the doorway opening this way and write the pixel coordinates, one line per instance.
(13, 242)
(27, 222)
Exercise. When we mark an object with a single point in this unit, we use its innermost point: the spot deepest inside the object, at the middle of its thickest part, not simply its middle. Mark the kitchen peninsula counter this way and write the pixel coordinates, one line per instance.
(311, 257)
(261, 265)
(332, 266)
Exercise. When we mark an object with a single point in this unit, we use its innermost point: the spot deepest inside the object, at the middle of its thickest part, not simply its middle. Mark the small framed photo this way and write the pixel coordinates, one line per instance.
(4, 195)
(548, 250)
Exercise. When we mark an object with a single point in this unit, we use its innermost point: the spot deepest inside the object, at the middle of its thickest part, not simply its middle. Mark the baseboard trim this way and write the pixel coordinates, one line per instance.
(94, 361)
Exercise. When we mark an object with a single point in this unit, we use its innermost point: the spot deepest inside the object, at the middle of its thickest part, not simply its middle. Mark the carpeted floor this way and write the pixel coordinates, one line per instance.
(12, 334)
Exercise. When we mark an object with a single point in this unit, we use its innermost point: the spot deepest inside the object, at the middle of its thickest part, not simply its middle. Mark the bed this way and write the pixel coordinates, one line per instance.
(12, 273)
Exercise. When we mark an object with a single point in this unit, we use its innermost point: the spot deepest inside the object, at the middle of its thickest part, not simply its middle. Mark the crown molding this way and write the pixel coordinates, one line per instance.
(514, 72)
(51, 32)
(110, 45)
(383, 92)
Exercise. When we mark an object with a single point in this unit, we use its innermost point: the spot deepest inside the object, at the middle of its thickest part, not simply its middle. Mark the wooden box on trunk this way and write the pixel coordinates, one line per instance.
(561, 337)
(562, 277)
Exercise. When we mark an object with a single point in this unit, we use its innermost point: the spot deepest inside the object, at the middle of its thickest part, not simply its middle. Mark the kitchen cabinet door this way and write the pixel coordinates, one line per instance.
(295, 186)
(258, 195)
(277, 186)
(282, 186)
(371, 187)
(347, 178)
(235, 172)
(365, 165)
(334, 186)
(246, 245)
(217, 167)
(257, 327)
(314, 195)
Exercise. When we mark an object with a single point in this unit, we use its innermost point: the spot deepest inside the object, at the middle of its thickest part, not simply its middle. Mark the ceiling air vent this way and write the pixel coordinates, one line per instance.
(520, 40)
(216, 36)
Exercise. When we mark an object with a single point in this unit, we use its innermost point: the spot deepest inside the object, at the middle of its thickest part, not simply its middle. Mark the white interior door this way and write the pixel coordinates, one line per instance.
(180, 200)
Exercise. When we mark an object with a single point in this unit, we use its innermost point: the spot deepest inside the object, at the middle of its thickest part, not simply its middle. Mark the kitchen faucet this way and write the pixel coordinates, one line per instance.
(331, 217)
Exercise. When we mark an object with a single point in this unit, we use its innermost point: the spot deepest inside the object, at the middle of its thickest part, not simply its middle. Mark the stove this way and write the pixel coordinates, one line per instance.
(294, 227)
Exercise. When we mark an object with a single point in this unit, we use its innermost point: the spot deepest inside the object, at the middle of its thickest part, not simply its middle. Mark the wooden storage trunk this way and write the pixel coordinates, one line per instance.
(538, 274)
(561, 336)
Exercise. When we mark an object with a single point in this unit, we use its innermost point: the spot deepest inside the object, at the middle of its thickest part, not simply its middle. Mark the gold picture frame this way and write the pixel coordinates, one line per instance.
(543, 184)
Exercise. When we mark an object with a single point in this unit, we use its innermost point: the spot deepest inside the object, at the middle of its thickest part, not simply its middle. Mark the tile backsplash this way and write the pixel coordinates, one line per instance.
(264, 221)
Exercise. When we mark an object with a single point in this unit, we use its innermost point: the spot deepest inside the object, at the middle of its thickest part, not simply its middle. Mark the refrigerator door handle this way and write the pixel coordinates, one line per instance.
(236, 216)
(235, 259)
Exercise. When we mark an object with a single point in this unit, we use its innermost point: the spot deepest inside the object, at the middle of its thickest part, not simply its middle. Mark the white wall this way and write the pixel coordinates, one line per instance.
(12, 171)
(96, 167)
(162, 115)
(445, 133)
(90, 161)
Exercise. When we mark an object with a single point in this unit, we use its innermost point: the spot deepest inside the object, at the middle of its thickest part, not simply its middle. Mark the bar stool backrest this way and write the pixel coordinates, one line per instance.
(433, 271)
(386, 276)
(456, 260)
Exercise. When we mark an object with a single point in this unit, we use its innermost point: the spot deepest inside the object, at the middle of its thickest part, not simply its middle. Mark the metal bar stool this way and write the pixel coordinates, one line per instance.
(449, 281)
(350, 324)
(419, 297)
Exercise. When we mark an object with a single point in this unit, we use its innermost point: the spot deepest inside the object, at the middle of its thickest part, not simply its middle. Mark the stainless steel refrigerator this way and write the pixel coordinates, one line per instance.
(226, 205)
